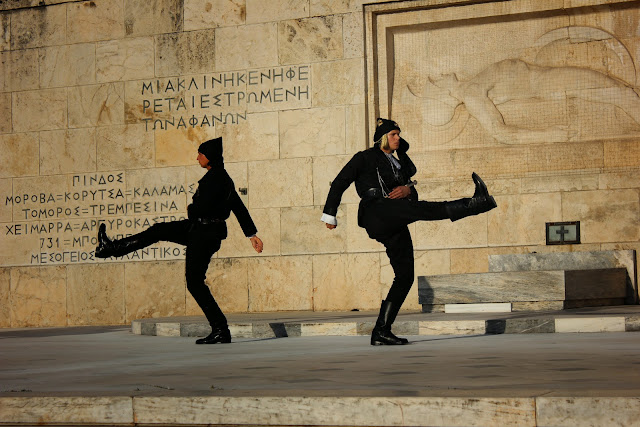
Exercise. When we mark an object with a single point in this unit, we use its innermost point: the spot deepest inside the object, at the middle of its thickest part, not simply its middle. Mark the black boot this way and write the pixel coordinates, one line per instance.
(107, 248)
(480, 202)
(218, 335)
(381, 334)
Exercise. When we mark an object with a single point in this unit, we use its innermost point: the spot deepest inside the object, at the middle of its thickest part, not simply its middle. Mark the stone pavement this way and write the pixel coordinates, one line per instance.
(110, 376)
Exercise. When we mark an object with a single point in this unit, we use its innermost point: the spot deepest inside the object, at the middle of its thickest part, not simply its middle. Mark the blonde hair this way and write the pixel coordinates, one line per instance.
(384, 142)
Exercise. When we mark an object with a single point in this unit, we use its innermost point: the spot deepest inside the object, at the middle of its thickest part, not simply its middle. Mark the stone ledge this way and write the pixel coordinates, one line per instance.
(292, 410)
(489, 326)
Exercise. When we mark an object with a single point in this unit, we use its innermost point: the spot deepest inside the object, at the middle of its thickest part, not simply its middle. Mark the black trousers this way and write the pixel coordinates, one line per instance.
(202, 241)
(386, 221)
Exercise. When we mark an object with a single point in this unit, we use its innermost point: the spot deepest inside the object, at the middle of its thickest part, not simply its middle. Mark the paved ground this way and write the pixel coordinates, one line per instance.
(42, 370)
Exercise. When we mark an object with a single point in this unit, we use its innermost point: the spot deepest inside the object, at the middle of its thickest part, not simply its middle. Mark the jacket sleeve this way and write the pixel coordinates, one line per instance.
(347, 175)
(408, 166)
(242, 214)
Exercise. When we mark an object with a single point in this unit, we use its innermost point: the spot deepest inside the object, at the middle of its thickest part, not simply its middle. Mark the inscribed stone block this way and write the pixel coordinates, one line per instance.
(253, 139)
(280, 183)
(162, 185)
(95, 294)
(280, 283)
(5, 112)
(310, 40)
(142, 18)
(5, 297)
(312, 132)
(344, 282)
(39, 110)
(525, 216)
(213, 13)
(176, 147)
(18, 155)
(338, 82)
(267, 221)
(468, 232)
(605, 215)
(279, 88)
(38, 27)
(125, 59)
(96, 105)
(250, 46)
(260, 11)
(38, 193)
(185, 53)
(54, 69)
(94, 21)
(67, 151)
(124, 147)
(38, 296)
(19, 247)
(154, 289)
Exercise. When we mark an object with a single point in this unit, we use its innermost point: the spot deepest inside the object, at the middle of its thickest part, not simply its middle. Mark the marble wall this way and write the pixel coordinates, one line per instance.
(104, 103)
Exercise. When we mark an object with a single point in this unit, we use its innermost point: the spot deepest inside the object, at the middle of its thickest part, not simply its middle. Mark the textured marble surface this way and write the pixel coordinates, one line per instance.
(491, 287)
(568, 261)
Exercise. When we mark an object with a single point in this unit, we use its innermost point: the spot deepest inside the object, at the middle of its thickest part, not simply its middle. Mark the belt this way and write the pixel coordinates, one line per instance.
(372, 193)
(207, 221)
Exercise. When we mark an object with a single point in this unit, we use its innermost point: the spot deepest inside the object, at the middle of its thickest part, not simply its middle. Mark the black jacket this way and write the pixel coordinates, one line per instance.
(363, 169)
(216, 198)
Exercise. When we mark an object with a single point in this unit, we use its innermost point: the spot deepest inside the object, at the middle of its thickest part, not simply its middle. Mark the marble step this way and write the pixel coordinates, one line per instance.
(574, 288)
(587, 260)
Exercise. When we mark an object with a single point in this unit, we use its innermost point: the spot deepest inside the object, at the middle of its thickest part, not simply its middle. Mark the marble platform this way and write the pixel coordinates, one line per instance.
(446, 377)
(310, 324)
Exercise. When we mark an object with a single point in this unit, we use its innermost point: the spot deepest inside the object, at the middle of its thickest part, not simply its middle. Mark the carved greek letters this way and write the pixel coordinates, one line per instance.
(60, 227)
(223, 98)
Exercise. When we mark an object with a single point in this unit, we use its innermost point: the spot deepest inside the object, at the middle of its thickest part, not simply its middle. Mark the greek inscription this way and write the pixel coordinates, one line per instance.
(224, 98)
(62, 225)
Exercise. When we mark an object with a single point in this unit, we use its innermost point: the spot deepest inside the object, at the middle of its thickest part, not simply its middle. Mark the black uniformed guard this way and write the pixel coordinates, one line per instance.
(202, 233)
(389, 202)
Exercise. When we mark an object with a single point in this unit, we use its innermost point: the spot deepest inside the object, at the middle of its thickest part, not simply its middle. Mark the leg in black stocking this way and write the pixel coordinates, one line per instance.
(175, 231)
(198, 256)
(400, 252)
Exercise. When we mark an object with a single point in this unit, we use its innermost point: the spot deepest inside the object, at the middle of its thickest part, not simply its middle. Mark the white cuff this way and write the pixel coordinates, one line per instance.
(329, 219)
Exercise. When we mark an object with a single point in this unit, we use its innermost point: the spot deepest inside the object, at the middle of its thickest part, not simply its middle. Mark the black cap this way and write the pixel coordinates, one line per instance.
(212, 149)
(384, 126)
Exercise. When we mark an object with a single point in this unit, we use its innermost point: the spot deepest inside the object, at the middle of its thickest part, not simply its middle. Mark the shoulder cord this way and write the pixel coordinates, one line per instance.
(385, 193)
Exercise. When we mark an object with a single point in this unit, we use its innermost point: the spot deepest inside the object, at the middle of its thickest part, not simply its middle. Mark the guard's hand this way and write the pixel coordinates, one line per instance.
(330, 226)
(256, 243)
(400, 192)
